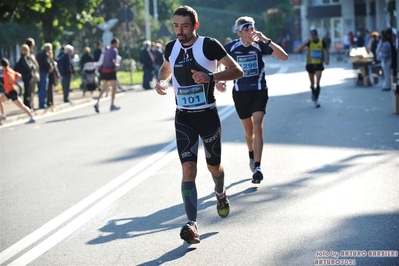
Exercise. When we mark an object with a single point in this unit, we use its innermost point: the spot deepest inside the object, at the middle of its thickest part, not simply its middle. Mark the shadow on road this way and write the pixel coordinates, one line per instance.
(69, 118)
(156, 222)
(136, 152)
(176, 253)
(349, 117)
(127, 228)
(368, 232)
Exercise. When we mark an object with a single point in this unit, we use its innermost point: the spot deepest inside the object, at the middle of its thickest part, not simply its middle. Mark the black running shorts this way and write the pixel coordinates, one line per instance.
(12, 95)
(312, 68)
(249, 102)
(190, 125)
(109, 76)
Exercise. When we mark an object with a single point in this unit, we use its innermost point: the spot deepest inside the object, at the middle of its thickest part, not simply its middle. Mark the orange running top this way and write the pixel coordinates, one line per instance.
(10, 79)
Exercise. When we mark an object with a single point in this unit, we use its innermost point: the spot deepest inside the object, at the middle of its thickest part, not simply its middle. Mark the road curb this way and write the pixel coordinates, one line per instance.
(59, 105)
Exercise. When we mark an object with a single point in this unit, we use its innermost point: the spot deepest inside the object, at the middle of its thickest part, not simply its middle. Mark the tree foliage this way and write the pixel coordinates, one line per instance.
(217, 17)
(11, 10)
(52, 16)
(274, 19)
(76, 21)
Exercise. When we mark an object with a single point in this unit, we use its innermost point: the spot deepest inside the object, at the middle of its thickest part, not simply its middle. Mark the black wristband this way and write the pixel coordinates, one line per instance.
(210, 75)
(269, 41)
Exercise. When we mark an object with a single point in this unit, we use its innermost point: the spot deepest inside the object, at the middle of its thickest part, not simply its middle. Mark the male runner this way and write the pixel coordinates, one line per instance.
(191, 61)
(109, 67)
(317, 55)
(250, 93)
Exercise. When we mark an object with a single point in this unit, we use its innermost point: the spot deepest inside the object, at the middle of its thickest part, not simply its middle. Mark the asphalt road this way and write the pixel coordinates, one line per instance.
(80, 188)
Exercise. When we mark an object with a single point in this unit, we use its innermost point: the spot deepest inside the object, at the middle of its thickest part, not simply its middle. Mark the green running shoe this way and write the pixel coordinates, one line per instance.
(223, 206)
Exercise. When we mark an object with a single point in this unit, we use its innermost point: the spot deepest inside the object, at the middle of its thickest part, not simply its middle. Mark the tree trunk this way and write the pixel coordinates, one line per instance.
(49, 33)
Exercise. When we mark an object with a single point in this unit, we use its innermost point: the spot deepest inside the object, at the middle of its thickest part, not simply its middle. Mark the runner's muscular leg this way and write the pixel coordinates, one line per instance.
(311, 78)
(216, 170)
(258, 134)
(189, 171)
(22, 106)
(318, 77)
(249, 132)
(105, 89)
(113, 93)
(3, 98)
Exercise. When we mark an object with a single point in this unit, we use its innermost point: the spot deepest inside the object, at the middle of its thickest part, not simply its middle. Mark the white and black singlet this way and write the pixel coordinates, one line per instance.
(196, 112)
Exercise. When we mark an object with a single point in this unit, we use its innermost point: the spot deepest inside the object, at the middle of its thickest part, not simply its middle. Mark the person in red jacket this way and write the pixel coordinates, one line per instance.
(10, 78)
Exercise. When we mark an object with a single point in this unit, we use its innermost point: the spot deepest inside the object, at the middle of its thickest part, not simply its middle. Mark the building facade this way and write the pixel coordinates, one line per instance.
(339, 17)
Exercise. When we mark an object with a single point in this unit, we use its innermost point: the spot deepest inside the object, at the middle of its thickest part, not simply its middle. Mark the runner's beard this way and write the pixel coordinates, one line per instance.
(186, 39)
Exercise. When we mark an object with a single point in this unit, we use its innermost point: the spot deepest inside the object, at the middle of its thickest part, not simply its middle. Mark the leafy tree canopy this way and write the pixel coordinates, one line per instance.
(52, 16)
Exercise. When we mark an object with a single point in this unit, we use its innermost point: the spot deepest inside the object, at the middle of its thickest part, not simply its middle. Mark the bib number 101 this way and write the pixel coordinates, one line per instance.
(191, 99)
(191, 96)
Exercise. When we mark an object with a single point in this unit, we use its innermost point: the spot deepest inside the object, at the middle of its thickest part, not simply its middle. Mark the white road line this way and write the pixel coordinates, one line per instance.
(162, 157)
(67, 230)
(68, 214)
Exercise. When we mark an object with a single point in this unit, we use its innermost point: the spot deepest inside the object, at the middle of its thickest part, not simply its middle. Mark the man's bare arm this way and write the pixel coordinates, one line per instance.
(232, 72)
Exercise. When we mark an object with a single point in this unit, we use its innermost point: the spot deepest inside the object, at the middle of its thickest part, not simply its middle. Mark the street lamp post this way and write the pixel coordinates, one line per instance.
(155, 3)
(147, 21)
(126, 15)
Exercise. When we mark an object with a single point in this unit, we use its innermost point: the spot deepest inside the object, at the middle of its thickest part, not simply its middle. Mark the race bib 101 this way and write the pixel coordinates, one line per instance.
(191, 96)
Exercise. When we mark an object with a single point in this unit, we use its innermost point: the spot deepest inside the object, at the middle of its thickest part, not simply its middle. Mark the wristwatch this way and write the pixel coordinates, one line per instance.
(210, 75)
(269, 41)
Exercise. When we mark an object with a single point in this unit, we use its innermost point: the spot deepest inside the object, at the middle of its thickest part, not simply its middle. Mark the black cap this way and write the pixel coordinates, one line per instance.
(313, 32)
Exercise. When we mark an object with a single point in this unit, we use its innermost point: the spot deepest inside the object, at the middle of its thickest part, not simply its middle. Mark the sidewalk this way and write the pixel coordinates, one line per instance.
(76, 97)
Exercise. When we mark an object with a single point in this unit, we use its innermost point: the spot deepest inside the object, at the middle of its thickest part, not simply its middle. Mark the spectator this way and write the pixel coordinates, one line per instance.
(359, 40)
(61, 53)
(25, 67)
(10, 82)
(385, 54)
(347, 44)
(148, 63)
(158, 57)
(99, 50)
(86, 57)
(35, 74)
(45, 69)
(392, 39)
(97, 54)
(374, 40)
(67, 72)
(352, 42)
(53, 80)
(327, 40)
(367, 38)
